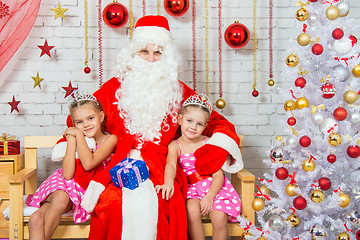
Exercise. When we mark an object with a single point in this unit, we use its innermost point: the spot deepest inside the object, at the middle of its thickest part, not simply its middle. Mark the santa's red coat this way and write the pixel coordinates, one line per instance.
(106, 220)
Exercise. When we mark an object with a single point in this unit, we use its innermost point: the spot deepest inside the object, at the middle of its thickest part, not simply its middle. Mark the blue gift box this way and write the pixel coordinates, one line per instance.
(129, 173)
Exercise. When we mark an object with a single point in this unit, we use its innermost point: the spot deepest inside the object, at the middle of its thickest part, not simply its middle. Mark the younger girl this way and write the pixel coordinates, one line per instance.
(64, 189)
(213, 195)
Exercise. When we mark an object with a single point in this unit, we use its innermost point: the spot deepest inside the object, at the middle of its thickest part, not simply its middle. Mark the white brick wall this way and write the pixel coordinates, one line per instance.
(43, 111)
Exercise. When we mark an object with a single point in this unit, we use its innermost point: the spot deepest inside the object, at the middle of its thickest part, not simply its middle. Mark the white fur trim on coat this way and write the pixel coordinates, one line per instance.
(59, 150)
(153, 33)
(229, 144)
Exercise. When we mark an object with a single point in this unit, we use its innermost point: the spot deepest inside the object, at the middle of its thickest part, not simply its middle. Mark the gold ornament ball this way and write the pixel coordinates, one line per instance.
(308, 166)
(301, 103)
(292, 60)
(220, 103)
(344, 200)
(332, 12)
(302, 14)
(303, 39)
(334, 139)
(262, 238)
(350, 96)
(271, 82)
(289, 105)
(290, 190)
(245, 235)
(258, 204)
(265, 190)
(343, 236)
(317, 196)
(356, 71)
(294, 220)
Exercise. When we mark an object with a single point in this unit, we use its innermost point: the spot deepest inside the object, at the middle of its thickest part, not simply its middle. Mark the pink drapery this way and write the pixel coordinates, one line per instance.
(14, 29)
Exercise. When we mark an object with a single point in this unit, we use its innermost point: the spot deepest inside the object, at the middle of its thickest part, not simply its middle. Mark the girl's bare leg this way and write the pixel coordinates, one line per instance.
(219, 223)
(36, 223)
(195, 228)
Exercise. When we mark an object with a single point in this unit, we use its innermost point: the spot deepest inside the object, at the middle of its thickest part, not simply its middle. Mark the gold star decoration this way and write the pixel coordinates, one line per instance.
(37, 80)
(59, 11)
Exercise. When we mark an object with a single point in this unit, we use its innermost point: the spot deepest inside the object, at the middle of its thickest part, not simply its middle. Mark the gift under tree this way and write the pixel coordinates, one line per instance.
(312, 190)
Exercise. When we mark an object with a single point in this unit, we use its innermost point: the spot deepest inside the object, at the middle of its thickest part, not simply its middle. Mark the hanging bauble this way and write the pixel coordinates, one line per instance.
(262, 238)
(308, 165)
(301, 103)
(353, 151)
(344, 200)
(303, 39)
(271, 82)
(302, 14)
(353, 217)
(87, 70)
(324, 183)
(328, 126)
(245, 235)
(334, 139)
(317, 49)
(300, 82)
(343, 236)
(356, 71)
(291, 121)
(237, 35)
(358, 235)
(318, 232)
(220, 103)
(328, 90)
(341, 72)
(255, 93)
(258, 204)
(332, 12)
(304, 141)
(340, 114)
(331, 158)
(353, 39)
(343, 8)
(318, 118)
(265, 190)
(291, 141)
(313, 0)
(312, 18)
(276, 222)
(293, 219)
(278, 154)
(292, 60)
(176, 8)
(281, 173)
(337, 33)
(299, 203)
(289, 105)
(350, 96)
(317, 196)
(355, 118)
(115, 15)
(290, 190)
(342, 46)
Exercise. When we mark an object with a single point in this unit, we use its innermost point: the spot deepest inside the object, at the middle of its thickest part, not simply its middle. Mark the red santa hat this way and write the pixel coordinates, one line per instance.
(152, 27)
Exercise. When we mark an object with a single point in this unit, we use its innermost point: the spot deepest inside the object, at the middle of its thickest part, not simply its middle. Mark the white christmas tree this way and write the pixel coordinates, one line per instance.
(313, 190)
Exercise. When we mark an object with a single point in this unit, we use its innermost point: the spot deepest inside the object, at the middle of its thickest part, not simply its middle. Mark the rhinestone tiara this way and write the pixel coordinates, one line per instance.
(201, 100)
(78, 96)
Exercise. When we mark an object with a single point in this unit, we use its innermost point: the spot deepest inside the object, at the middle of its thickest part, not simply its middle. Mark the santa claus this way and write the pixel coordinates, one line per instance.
(142, 105)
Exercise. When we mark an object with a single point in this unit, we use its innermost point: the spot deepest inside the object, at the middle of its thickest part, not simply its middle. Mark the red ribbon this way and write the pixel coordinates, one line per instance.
(292, 94)
(262, 180)
(292, 209)
(296, 238)
(248, 225)
(304, 27)
(332, 128)
(337, 190)
(292, 181)
(260, 194)
(349, 230)
(311, 158)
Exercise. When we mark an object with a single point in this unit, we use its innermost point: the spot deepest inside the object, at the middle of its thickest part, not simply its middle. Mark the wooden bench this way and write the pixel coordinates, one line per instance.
(25, 182)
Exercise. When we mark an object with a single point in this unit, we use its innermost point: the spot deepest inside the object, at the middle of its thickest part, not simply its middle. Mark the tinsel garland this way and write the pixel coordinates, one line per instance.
(100, 44)
(207, 46)
(86, 33)
(158, 7)
(220, 49)
(271, 40)
(254, 44)
(194, 43)
(131, 18)
(144, 7)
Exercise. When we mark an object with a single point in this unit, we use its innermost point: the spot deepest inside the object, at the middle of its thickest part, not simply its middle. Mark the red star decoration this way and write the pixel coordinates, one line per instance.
(69, 89)
(14, 105)
(45, 48)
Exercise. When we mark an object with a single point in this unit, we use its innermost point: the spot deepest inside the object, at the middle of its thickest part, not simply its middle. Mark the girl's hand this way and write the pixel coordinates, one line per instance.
(167, 190)
(206, 205)
(72, 131)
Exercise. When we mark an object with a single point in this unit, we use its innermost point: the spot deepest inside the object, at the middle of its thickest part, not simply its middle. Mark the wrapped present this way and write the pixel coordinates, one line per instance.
(129, 173)
(9, 145)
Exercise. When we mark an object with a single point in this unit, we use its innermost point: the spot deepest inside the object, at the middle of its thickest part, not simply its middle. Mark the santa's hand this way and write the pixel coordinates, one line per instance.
(91, 196)
(209, 159)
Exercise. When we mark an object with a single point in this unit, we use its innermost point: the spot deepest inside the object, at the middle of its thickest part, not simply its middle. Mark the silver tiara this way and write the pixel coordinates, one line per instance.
(78, 96)
(201, 100)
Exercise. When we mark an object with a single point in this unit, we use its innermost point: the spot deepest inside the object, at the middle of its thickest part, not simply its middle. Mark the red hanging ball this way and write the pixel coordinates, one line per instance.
(115, 15)
(255, 93)
(300, 82)
(291, 121)
(87, 70)
(337, 33)
(313, 0)
(331, 158)
(299, 203)
(324, 183)
(358, 235)
(176, 8)
(281, 173)
(237, 35)
(304, 141)
(317, 49)
(353, 39)
(353, 151)
(340, 114)
(328, 90)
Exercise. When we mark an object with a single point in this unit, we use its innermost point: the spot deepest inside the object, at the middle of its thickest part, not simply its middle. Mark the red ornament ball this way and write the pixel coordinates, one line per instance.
(281, 173)
(340, 114)
(87, 70)
(291, 121)
(176, 8)
(237, 35)
(331, 158)
(324, 183)
(300, 82)
(353, 151)
(255, 93)
(358, 235)
(299, 203)
(317, 49)
(304, 141)
(328, 90)
(353, 39)
(338, 33)
(115, 15)
(313, 0)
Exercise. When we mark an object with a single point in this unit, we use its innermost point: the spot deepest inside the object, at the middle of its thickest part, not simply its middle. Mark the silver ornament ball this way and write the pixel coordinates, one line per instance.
(292, 142)
(353, 217)
(318, 118)
(318, 232)
(342, 46)
(276, 223)
(344, 8)
(312, 18)
(341, 72)
(355, 118)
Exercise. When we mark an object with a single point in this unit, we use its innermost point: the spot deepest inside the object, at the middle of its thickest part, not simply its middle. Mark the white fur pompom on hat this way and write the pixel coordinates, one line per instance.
(58, 151)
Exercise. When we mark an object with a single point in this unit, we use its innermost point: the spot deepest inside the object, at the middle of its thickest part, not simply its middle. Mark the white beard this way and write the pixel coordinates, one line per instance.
(149, 92)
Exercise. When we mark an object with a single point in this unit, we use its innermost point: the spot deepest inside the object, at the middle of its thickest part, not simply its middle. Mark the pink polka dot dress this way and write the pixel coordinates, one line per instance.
(227, 200)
